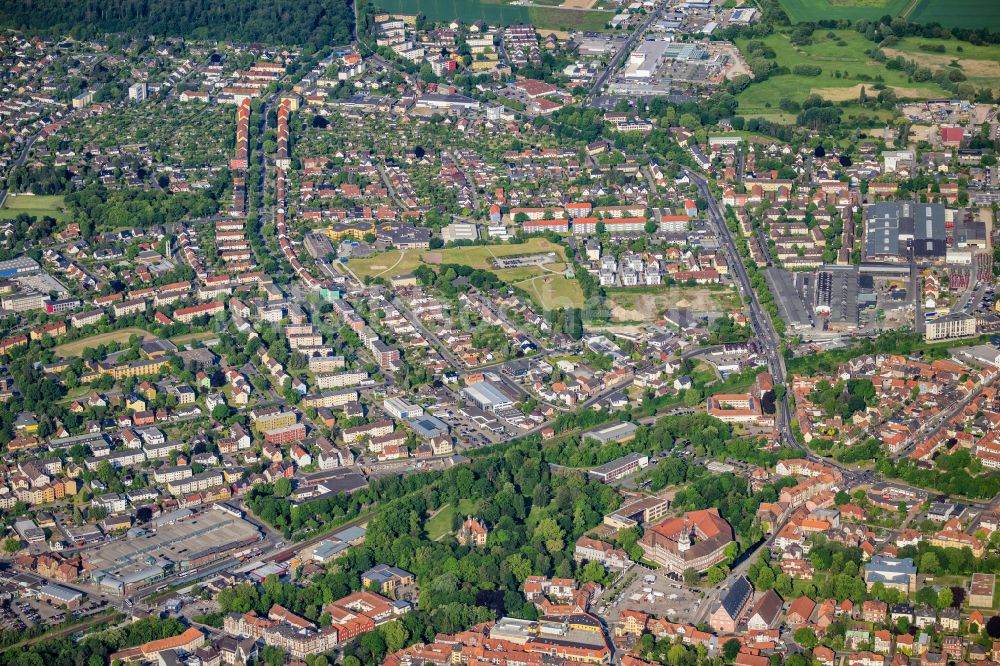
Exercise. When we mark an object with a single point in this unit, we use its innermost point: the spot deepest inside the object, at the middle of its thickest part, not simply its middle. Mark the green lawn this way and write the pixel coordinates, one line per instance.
(546, 284)
(440, 525)
(816, 10)
(844, 53)
(553, 292)
(76, 347)
(38, 206)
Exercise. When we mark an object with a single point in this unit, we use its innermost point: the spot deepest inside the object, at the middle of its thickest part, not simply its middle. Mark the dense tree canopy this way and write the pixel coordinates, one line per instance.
(274, 22)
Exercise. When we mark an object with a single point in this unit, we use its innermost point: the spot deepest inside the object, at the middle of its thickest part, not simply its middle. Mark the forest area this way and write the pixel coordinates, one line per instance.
(303, 22)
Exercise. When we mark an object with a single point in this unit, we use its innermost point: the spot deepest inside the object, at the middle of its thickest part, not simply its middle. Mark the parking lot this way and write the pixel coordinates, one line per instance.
(652, 591)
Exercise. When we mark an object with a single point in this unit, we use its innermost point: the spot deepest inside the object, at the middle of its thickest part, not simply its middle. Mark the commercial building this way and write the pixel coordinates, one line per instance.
(122, 566)
(487, 396)
(837, 297)
(575, 637)
(616, 432)
(897, 230)
(57, 595)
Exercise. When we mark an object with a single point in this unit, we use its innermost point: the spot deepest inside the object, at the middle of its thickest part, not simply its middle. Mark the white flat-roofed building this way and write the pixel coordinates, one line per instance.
(487, 396)
(457, 231)
(401, 409)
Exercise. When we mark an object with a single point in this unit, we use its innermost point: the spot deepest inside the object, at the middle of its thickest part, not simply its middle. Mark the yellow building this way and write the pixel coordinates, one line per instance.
(136, 369)
(357, 230)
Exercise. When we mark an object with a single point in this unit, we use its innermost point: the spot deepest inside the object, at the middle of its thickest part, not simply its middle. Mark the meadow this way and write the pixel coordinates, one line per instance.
(843, 54)
(546, 284)
(39, 206)
(439, 526)
(75, 348)
(979, 63)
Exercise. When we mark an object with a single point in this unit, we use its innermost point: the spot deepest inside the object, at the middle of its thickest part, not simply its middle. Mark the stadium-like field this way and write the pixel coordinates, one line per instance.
(498, 12)
(853, 10)
(956, 13)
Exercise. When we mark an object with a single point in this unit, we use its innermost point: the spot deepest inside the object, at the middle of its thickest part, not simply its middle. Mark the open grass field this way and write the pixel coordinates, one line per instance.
(545, 283)
(440, 525)
(76, 347)
(197, 336)
(553, 292)
(39, 206)
(844, 53)
(979, 63)
(956, 13)
(816, 10)
(499, 12)
(648, 305)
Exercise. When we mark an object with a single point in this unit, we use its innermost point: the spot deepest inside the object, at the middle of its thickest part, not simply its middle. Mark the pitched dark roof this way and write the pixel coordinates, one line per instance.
(736, 597)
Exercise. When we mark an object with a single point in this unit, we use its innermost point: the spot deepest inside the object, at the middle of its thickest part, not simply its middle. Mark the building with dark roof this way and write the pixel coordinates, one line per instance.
(732, 607)
(897, 230)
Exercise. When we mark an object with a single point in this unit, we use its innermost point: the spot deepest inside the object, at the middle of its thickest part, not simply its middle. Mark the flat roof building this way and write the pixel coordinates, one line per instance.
(895, 229)
(616, 432)
(623, 466)
(487, 396)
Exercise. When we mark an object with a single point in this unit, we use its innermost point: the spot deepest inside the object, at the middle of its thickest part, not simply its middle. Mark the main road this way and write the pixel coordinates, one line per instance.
(19, 162)
(760, 321)
(625, 50)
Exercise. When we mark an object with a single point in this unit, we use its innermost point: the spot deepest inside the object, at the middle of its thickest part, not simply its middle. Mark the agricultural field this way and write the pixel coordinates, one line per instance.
(545, 14)
(76, 347)
(956, 13)
(842, 54)
(853, 10)
(39, 206)
(545, 283)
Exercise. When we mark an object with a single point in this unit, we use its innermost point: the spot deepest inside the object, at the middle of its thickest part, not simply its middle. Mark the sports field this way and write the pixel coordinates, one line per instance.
(76, 347)
(39, 206)
(845, 69)
(956, 13)
(546, 284)
(499, 12)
